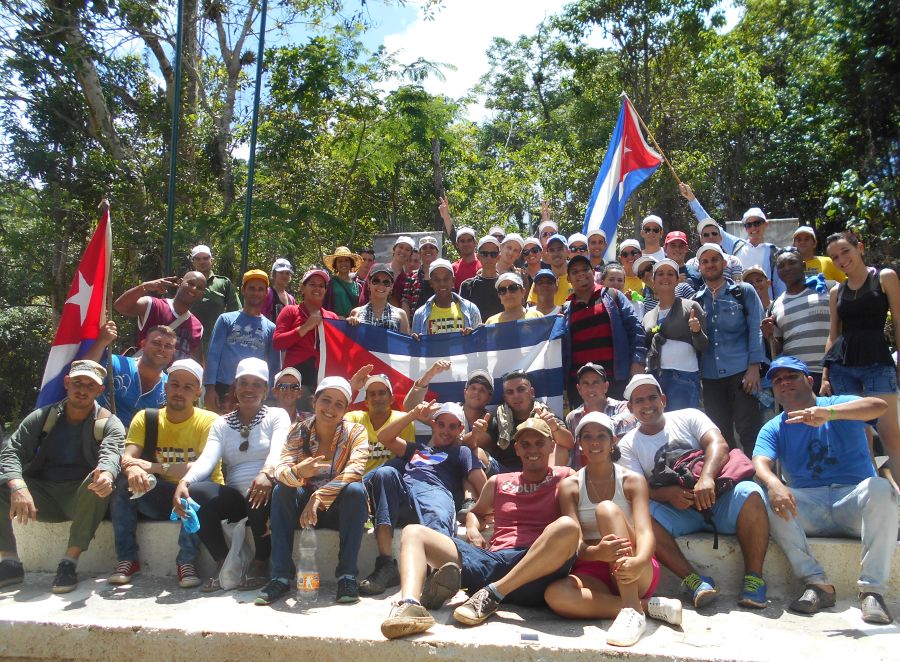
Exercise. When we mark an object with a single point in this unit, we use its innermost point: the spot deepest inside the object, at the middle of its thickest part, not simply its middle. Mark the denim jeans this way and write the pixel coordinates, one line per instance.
(154, 505)
(348, 514)
(867, 510)
(682, 388)
(396, 502)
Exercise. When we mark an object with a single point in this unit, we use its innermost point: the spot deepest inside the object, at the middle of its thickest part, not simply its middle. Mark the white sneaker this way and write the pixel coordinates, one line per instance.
(665, 609)
(627, 629)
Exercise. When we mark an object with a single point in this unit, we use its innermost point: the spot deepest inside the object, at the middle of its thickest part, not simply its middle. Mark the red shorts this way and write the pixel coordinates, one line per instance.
(601, 570)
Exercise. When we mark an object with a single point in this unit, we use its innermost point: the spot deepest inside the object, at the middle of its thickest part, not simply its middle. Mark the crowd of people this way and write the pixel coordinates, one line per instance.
(672, 361)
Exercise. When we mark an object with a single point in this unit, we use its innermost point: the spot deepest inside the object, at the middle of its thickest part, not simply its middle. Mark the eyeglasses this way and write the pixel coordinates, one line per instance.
(531, 251)
(245, 435)
(753, 224)
(578, 249)
(489, 253)
(654, 230)
(631, 254)
(511, 289)
(288, 387)
(387, 282)
(714, 233)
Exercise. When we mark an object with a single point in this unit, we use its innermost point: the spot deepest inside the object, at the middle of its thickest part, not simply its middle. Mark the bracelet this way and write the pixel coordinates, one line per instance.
(831, 413)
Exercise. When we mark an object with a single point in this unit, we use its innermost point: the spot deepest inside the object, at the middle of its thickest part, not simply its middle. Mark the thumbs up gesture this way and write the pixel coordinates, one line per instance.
(481, 425)
(693, 322)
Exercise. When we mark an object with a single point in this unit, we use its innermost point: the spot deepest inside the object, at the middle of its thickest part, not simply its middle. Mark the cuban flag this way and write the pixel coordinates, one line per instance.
(629, 162)
(534, 346)
(82, 314)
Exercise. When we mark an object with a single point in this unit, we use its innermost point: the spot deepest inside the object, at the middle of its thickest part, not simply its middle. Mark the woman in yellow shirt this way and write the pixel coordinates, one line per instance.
(512, 293)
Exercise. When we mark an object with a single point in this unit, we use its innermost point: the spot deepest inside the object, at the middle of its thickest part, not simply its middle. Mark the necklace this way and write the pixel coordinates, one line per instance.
(602, 489)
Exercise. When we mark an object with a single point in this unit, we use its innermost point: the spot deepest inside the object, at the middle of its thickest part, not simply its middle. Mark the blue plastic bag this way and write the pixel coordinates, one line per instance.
(190, 521)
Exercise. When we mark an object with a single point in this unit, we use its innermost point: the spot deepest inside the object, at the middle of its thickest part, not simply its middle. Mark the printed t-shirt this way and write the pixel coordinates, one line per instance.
(378, 454)
(177, 442)
(522, 510)
(445, 320)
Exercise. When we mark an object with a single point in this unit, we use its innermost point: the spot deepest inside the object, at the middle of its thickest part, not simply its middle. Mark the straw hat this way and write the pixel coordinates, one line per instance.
(342, 251)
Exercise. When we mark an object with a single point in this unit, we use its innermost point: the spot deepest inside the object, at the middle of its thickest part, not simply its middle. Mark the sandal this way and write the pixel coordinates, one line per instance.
(212, 585)
(253, 582)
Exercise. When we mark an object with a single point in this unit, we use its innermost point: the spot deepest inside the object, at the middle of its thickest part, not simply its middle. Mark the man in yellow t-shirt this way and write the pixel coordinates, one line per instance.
(805, 242)
(557, 253)
(378, 413)
(180, 435)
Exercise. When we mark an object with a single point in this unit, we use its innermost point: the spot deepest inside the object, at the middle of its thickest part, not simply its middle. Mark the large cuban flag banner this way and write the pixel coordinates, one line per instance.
(628, 163)
(534, 346)
(83, 312)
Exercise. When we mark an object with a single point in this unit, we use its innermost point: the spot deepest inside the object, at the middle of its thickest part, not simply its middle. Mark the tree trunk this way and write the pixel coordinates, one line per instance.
(437, 178)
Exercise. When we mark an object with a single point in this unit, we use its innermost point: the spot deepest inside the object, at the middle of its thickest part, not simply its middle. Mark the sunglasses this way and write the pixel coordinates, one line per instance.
(531, 251)
(714, 233)
(387, 282)
(753, 224)
(547, 234)
(287, 387)
(511, 289)
(578, 249)
(245, 435)
(653, 230)
(489, 253)
(631, 254)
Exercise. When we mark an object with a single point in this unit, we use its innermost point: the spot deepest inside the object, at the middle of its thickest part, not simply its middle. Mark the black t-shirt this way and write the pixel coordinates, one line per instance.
(65, 459)
(483, 293)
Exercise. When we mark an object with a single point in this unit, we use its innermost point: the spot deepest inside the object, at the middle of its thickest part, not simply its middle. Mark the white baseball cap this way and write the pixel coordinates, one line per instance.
(547, 224)
(488, 239)
(710, 247)
(452, 408)
(282, 264)
(201, 248)
(577, 237)
(666, 261)
(403, 239)
(595, 417)
(465, 230)
(440, 263)
(187, 365)
(705, 223)
(754, 212)
(252, 367)
(595, 232)
(640, 380)
(805, 229)
(509, 277)
(630, 243)
(379, 379)
(516, 237)
(652, 218)
(338, 383)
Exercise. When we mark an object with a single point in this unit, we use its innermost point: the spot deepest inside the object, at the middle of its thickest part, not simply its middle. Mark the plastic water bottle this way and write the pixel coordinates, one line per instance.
(307, 569)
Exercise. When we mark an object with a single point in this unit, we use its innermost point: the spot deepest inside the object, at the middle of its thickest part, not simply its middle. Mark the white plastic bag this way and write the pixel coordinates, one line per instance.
(234, 570)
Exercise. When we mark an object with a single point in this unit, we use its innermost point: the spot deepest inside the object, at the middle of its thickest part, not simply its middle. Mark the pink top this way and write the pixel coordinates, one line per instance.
(522, 510)
(298, 348)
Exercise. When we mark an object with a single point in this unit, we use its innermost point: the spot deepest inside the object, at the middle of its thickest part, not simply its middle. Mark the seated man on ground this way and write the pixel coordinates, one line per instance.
(424, 487)
(60, 464)
(533, 545)
(831, 489)
(163, 442)
(677, 511)
(519, 404)
(616, 573)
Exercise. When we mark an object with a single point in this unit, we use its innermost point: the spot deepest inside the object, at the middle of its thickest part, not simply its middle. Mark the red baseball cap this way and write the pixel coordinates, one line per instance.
(676, 235)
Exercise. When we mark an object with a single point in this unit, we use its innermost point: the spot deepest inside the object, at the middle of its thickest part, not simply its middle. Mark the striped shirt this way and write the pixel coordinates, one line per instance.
(590, 331)
(802, 322)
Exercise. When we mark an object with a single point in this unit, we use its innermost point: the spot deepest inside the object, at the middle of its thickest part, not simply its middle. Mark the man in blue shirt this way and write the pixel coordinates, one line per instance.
(239, 335)
(138, 383)
(831, 490)
(730, 365)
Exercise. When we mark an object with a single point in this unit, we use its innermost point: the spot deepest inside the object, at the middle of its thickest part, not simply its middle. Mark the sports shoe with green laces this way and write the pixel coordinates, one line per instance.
(753, 593)
(703, 589)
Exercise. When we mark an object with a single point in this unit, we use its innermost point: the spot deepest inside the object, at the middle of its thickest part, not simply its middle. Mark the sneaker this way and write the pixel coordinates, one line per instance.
(667, 610)
(464, 510)
(874, 610)
(406, 618)
(187, 576)
(382, 578)
(813, 598)
(703, 589)
(272, 592)
(11, 572)
(627, 629)
(476, 609)
(123, 572)
(440, 586)
(66, 580)
(347, 591)
(753, 594)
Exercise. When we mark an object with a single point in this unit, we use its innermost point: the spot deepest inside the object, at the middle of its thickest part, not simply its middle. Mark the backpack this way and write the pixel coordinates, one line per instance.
(151, 434)
(734, 290)
(55, 412)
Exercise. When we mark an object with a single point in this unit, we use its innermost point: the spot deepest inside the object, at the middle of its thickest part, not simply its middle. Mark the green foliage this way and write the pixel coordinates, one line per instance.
(25, 335)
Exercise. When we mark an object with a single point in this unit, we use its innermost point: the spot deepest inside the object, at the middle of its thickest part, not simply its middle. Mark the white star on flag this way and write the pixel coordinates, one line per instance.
(82, 298)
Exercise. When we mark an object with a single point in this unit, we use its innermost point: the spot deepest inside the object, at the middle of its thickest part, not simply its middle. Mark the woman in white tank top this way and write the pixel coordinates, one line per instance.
(615, 574)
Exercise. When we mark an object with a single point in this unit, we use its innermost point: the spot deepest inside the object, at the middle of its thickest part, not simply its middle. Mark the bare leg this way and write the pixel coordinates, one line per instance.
(611, 519)
(384, 538)
(419, 548)
(753, 533)
(889, 433)
(73, 552)
(554, 546)
(669, 554)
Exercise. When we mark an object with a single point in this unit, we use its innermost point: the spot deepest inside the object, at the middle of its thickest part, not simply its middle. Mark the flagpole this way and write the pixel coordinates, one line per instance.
(110, 377)
(655, 144)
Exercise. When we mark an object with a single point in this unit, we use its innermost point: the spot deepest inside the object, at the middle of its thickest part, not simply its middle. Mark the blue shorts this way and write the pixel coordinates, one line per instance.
(494, 468)
(879, 379)
(481, 567)
(725, 512)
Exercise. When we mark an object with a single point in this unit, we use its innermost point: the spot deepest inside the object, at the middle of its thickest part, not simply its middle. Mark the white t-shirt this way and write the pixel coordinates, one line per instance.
(639, 449)
(677, 354)
(751, 255)
(658, 255)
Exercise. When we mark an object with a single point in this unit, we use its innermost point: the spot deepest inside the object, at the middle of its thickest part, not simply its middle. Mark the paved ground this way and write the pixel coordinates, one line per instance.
(155, 619)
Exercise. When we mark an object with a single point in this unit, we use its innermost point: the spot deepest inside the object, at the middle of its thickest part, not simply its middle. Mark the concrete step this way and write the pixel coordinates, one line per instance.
(41, 545)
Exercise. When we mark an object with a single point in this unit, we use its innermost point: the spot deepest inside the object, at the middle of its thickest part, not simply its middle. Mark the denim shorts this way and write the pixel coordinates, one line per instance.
(480, 567)
(724, 513)
(878, 379)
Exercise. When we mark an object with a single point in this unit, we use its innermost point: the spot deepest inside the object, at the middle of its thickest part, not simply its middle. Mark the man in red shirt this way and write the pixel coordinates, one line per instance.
(532, 546)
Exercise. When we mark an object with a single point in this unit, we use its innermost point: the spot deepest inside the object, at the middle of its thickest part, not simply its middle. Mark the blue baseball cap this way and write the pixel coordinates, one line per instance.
(559, 238)
(787, 363)
(545, 272)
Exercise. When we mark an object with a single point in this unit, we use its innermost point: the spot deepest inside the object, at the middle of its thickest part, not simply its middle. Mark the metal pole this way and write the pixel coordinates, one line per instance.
(173, 143)
(251, 168)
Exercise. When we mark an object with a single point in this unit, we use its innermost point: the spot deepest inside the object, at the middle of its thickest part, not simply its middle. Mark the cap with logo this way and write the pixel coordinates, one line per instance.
(88, 368)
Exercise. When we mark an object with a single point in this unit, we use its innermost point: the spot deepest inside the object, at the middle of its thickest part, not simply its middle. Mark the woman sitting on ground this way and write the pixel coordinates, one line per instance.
(247, 441)
(378, 312)
(512, 296)
(616, 573)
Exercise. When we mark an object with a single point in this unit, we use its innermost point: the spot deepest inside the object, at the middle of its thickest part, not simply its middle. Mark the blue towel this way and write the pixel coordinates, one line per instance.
(190, 521)
(817, 283)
